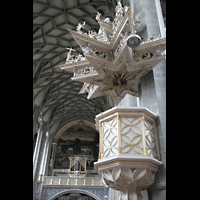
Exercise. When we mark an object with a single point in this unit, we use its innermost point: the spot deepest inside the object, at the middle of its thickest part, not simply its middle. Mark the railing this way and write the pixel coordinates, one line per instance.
(67, 170)
(87, 181)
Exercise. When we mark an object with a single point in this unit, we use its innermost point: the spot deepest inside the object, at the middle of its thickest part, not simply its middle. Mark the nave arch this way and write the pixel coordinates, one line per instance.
(70, 124)
(76, 191)
(55, 139)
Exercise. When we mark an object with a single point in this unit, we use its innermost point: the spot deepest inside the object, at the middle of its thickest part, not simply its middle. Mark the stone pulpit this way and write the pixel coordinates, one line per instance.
(128, 150)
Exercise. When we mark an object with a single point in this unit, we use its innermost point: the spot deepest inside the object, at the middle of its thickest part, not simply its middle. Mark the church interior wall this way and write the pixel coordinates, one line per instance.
(152, 95)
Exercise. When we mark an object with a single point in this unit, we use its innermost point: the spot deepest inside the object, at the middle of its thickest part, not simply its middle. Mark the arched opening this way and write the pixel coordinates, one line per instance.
(85, 122)
(77, 139)
(75, 194)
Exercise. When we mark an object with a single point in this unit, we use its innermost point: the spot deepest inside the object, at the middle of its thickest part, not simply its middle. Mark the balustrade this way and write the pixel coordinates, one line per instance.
(86, 181)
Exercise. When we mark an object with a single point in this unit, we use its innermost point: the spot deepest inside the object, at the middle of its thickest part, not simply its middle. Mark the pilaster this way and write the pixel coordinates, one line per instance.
(53, 155)
(129, 101)
(152, 93)
(38, 161)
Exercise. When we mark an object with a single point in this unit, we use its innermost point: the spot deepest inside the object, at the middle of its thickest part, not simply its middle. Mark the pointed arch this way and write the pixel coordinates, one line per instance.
(75, 191)
(70, 124)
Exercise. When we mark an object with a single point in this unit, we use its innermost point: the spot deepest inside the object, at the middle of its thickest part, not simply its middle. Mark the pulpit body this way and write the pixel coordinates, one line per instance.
(128, 150)
(127, 131)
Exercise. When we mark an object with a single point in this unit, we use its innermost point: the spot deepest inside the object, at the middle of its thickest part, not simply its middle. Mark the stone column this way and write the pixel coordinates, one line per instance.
(113, 194)
(38, 143)
(152, 91)
(43, 165)
(129, 101)
(38, 160)
(153, 18)
(46, 157)
(131, 5)
(137, 8)
(160, 18)
(44, 154)
(53, 155)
